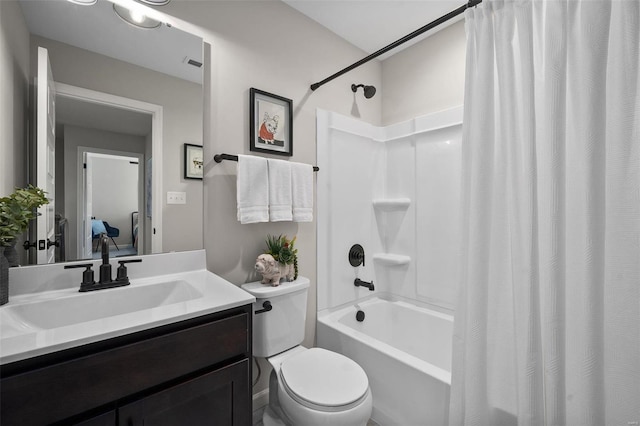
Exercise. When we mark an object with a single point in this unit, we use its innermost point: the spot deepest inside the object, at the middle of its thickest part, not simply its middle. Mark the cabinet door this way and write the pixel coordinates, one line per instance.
(218, 398)
(106, 419)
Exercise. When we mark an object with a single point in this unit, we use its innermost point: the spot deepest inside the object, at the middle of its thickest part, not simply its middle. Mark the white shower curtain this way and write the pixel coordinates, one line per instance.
(547, 330)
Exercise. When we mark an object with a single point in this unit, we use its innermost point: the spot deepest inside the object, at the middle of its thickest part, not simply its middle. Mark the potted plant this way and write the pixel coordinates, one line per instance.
(16, 210)
(279, 261)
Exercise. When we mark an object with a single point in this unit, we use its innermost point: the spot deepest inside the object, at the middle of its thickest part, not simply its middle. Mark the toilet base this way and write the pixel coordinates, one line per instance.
(269, 418)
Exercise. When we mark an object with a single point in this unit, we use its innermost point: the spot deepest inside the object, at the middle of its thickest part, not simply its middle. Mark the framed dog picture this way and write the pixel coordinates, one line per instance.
(193, 161)
(270, 123)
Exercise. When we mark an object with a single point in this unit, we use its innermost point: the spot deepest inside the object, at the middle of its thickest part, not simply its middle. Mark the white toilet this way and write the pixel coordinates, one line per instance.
(307, 386)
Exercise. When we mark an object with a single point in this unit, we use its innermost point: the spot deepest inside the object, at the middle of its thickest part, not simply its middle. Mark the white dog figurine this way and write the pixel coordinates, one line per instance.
(272, 271)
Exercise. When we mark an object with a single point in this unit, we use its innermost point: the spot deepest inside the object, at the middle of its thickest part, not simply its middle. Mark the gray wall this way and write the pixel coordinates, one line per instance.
(426, 77)
(14, 90)
(14, 87)
(182, 112)
(272, 47)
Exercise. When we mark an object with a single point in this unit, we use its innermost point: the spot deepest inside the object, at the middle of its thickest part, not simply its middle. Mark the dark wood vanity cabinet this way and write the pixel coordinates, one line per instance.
(195, 372)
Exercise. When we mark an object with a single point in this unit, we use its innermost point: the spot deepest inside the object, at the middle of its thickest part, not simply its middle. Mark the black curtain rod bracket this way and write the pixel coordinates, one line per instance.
(398, 42)
(219, 158)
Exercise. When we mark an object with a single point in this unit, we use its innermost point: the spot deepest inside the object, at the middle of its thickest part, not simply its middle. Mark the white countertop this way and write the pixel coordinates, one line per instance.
(20, 339)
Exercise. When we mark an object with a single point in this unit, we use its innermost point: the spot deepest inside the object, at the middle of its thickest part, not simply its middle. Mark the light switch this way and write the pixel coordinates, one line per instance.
(176, 197)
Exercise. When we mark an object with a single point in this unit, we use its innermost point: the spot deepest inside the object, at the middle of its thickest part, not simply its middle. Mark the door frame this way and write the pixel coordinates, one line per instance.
(156, 112)
(81, 226)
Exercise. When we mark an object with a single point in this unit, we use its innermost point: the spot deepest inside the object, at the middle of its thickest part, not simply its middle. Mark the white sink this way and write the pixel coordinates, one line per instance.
(77, 307)
(46, 313)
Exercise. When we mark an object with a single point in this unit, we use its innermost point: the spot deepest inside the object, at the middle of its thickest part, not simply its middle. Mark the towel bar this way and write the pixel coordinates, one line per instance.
(218, 158)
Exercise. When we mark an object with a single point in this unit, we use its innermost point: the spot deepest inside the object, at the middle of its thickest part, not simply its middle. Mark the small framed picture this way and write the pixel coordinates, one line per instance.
(271, 123)
(193, 161)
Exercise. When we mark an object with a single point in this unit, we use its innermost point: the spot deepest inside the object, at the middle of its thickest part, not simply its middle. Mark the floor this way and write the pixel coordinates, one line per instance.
(257, 418)
(113, 252)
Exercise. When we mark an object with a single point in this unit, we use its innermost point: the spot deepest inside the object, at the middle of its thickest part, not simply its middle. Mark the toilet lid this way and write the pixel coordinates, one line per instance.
(324, 378)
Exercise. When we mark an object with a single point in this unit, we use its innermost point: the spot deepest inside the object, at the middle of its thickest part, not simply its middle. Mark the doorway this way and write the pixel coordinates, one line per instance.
(111, 200)
(102, 134)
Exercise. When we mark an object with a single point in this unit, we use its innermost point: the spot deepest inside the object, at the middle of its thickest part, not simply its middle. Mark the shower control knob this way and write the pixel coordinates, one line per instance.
(356, 255)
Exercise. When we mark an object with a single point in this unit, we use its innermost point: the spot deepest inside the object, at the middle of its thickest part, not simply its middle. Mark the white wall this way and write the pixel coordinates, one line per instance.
(417, 160)
(115, 193)
(182, 123)
(426, 77)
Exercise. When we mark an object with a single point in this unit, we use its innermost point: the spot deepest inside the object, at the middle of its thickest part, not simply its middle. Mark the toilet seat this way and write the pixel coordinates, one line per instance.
(323, 380)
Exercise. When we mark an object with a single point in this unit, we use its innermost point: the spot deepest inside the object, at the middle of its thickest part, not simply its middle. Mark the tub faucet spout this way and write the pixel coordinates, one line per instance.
(359, 283)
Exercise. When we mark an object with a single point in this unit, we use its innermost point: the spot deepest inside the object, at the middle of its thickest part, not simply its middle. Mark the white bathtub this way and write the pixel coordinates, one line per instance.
(406, 352)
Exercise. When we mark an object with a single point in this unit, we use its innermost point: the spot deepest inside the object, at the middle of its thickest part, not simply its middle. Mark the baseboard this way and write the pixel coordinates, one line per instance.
(260, 402)
(260, 399)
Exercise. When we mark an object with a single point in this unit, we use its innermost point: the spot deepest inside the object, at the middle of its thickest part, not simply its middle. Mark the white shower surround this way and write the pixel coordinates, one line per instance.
(395, 190)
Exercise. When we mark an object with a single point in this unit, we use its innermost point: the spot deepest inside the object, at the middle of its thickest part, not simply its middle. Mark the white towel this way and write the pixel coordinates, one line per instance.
(253, 189)
(302, 192)
(279, 190)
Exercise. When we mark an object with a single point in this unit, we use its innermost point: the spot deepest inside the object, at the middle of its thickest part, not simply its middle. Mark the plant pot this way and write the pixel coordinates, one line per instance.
(4, 277)
(11, 254)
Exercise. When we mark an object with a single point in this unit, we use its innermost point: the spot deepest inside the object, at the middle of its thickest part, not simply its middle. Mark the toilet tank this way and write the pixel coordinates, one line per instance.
(283, 326)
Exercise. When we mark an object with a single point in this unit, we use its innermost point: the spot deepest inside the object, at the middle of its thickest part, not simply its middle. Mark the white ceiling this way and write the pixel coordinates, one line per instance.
(374, 24)
(97, 28)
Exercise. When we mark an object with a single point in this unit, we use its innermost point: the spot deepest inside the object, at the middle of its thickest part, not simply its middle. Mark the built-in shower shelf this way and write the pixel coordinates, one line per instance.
(389, 259)
(391, 204)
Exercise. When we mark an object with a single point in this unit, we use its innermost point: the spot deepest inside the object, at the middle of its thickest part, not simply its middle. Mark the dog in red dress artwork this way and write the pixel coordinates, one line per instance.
(268, 128)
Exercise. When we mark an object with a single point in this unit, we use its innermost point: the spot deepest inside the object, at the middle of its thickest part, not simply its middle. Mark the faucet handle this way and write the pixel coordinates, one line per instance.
(87, 275)
(122, 270)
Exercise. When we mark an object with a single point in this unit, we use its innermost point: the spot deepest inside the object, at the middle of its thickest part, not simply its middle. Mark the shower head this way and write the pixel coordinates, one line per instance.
(369, 91)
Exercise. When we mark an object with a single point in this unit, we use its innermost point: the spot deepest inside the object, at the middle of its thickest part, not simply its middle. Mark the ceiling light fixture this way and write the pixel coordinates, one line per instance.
(83, 2)
(135, 17)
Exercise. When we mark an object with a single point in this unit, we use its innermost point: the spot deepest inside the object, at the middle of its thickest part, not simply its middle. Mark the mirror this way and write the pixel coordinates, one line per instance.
(127, 101)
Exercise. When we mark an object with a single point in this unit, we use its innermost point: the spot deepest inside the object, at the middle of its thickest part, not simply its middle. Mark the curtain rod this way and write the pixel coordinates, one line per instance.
(218, 158)
(398, 42)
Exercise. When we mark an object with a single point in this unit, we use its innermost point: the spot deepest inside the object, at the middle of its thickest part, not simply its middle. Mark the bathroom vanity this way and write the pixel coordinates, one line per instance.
(183, 358)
